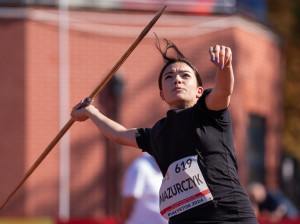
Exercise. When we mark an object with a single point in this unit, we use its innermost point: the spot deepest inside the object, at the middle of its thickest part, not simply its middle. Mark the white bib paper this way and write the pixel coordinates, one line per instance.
(183, 188)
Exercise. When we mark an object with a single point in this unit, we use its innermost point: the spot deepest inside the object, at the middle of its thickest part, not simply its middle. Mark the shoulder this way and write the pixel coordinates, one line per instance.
(203, 111)
(143, 166)
(143, 135)
(202, 101)
(141, 161)
(137, 168)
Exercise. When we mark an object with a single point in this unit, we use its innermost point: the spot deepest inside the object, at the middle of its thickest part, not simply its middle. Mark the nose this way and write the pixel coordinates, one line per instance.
(177, 80)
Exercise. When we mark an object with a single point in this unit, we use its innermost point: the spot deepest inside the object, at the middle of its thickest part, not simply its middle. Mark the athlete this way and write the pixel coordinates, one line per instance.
(192, 145)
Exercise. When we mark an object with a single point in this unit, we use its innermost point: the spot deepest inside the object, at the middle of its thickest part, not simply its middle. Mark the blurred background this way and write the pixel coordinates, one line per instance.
(54, 53)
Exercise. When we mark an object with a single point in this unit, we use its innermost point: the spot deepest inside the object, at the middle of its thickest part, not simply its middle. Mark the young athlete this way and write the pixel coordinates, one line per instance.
(192, 145)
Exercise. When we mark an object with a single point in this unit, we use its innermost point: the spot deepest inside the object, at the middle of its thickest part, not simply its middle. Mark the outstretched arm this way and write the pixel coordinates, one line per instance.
(219, 98)
(109, 128)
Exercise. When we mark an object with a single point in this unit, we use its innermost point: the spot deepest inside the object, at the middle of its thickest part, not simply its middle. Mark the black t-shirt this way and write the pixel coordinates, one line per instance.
(186, 132)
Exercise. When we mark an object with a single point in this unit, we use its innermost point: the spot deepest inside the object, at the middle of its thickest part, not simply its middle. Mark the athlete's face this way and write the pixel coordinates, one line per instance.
(179, 86)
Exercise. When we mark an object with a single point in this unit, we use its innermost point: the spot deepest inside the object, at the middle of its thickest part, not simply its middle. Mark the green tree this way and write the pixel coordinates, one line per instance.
(284, 16)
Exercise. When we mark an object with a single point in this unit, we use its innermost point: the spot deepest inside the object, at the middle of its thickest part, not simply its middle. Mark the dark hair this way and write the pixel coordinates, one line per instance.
(169, 60)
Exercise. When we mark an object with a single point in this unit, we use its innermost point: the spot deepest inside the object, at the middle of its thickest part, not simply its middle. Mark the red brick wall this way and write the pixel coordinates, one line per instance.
(12, 122)
(30, 95)
(42, 110)
(258, 91)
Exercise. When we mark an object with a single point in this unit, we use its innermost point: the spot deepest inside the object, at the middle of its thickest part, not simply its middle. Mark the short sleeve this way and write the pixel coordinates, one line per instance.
(201, 102)
(221, 116)
(143, 139)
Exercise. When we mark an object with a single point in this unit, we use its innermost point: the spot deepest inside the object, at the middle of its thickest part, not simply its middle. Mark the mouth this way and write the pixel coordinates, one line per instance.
(177, 89)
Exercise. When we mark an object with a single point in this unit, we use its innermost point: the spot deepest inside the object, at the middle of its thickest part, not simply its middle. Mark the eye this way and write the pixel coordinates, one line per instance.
(168, 77)
(186, 75)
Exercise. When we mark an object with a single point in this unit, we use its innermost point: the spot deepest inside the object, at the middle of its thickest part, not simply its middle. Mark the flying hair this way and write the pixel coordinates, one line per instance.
(170, 60)
(169, 45)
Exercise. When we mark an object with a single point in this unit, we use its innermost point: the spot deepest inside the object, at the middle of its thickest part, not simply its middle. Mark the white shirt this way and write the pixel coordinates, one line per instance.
(142, 181)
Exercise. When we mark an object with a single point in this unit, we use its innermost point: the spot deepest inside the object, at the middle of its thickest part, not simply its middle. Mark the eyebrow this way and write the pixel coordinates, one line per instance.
(180, 71)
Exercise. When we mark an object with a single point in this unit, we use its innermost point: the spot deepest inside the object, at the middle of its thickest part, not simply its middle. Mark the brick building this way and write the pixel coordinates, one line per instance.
(29, 62)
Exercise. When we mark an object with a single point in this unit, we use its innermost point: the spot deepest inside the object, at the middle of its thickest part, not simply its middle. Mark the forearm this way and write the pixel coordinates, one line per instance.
(224, 81)
(111, 129)
(219, 98)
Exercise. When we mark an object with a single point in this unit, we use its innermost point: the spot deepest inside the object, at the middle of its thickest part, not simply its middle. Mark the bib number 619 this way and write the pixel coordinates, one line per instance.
(183, 165)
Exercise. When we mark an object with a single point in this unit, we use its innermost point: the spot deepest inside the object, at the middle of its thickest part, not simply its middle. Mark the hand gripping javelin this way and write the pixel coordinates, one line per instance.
(87, 101)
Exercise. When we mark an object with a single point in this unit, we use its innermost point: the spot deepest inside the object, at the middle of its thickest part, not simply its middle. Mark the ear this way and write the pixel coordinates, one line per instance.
(199, 92)
(162, 95)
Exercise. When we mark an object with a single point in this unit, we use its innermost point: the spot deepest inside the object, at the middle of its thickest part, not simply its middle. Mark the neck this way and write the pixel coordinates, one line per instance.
(182, 105)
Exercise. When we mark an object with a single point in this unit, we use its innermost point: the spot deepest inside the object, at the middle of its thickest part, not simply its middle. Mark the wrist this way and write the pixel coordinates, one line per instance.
(90, 110)
(226, 68)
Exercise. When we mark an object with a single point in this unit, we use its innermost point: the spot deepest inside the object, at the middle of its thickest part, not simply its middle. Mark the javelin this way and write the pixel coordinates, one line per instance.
(86, 102)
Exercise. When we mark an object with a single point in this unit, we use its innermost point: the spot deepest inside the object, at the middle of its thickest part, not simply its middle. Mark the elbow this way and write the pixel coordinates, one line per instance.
(124, 137)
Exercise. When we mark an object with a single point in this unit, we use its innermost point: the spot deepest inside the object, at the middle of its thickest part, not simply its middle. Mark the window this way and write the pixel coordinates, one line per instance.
(256, 148)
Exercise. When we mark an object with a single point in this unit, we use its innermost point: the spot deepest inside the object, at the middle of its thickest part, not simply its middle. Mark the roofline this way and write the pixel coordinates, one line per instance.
(129, 25)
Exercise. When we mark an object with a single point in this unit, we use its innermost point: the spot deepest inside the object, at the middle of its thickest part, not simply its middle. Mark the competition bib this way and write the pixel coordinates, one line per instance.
(183, 188)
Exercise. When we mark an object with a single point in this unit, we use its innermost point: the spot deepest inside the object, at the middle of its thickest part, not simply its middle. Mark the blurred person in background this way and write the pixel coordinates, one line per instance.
(270, 205)
(140, 192)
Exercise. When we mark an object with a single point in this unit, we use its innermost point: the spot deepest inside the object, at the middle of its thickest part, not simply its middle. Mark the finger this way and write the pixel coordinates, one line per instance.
(76, 115)
(77, 106)
(73, 117)
(212, 53)
(222, 56)
(87, 101)
(228, 56)
(217, 52)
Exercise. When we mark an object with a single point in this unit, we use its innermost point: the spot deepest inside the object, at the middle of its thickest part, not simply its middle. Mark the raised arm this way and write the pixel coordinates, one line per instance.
(109, 128)
(219, 98)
